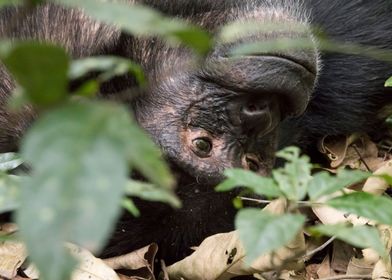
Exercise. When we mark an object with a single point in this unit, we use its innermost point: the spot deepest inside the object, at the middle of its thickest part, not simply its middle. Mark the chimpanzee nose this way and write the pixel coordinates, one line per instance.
(256, 114)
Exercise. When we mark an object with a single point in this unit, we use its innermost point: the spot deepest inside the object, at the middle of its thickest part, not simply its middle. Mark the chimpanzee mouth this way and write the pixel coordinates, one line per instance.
(308, 64)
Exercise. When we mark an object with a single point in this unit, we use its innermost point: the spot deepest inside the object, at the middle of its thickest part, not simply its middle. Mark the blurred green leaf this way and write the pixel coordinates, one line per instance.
(386, 177)
(152, 193)
(141, 20)
(243, 178)
(231, 32)
(388, 121)
(262, 232)
(323, 44)
(129, 205)
(79, 174)
(323, 183)
(111, 66)
(376, 208)
(238, 203)
(10, 2)
(9, 192)
(388, 83)
(358, 236)
(294, 178)
(41, 69)
(87, 89)
(146, 157)
(9, 161)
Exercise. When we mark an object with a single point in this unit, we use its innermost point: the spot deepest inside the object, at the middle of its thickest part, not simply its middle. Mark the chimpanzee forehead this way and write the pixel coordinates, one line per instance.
(211, 116)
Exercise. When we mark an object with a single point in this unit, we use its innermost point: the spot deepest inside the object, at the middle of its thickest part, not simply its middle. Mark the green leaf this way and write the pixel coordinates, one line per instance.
(41, 69)
(294, 178)
(10, 2)
(146, 157)
(79, 174)
(388, 121)
(377, 208)
(243, 178)
(9, 161)
(87, 89)
(388, 83)
(9, 192)
(152, 193)
(274, 45)
(232, 31)
(262, 232)
(358, 236)
(111, 66)
(128, 204)
(323, 183)
(386, 177)
(144, 21)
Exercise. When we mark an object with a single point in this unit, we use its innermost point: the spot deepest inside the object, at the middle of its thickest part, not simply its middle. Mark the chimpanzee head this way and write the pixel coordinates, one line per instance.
(224, 112)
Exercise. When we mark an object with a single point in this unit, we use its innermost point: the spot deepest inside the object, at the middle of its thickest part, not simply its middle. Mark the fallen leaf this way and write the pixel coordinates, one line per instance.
(90, 267)
(12, 256)
(359, 266)
(325, 270)
(141, 260)
(377, 185)
(222, 256)
(356, 151)
(382, 270)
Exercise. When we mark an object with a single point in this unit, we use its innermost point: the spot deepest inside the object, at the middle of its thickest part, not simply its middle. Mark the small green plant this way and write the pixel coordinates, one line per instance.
(262, 232)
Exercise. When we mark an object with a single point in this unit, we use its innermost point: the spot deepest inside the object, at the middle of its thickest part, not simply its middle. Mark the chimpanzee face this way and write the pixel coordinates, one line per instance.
(224, 112)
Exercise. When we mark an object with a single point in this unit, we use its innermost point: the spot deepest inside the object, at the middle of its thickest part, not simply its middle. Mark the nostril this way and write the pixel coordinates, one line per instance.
(254, 109)
(256, 115)
(251, 162)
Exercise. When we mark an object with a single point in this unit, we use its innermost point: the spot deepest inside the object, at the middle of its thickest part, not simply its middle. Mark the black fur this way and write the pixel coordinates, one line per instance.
(209, 100)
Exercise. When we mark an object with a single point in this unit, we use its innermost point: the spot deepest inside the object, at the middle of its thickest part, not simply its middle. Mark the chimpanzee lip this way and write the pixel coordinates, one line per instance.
(304, 63)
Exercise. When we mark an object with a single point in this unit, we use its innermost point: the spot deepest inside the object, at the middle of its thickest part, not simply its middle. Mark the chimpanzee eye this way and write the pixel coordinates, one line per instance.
(202, 146)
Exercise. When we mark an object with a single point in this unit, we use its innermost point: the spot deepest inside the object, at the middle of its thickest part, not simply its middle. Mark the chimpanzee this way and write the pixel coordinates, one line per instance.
(224, 112)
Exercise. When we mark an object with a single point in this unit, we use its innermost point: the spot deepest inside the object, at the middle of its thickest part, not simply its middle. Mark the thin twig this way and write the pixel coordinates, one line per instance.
(361, 158)
(318, 249)
(339, 277)
(263, 201)
(255, 200)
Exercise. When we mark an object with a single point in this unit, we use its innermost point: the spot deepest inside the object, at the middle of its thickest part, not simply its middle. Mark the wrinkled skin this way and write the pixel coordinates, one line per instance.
(223, 112)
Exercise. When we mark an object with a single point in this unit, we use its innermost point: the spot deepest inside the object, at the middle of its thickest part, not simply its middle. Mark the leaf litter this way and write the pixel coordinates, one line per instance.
(222, 256)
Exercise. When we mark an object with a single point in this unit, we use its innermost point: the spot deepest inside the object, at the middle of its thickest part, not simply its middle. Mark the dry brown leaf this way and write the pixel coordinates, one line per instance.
(8, 228)
(134, 260)
(210, 260)
(292, 275)
(31, 271)
(311, 271)
(90, 267)
(12, 256)
(341, 255)
(377, 185)
(141, 260)
(20, 278)
(325, 269)
(382, 270)
(221, 256)
(356, 151)
(358, 266)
